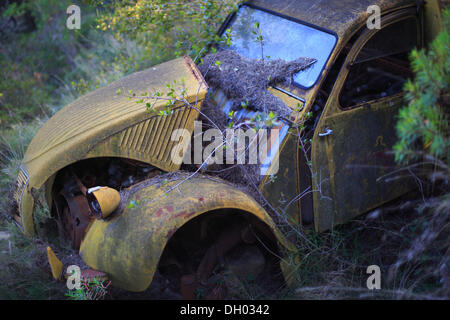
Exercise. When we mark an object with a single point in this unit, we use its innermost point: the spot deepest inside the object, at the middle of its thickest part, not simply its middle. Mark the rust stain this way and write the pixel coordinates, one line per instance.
(195, 72)
(165, 210)
(171, 232)
(159, 212)
(182, 214)
(73, 134)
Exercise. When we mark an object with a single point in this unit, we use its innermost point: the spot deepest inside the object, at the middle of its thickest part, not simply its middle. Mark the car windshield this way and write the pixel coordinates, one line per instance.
(282, 39)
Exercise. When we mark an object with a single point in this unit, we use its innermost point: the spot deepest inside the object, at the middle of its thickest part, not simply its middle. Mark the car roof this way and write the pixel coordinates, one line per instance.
(342, 17)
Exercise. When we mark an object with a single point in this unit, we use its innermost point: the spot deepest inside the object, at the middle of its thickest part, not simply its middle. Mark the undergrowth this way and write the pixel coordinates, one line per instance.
(408, 240)
(44, 67)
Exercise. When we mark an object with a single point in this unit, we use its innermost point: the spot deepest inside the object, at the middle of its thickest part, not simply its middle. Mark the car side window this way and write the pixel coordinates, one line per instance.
(382, 66)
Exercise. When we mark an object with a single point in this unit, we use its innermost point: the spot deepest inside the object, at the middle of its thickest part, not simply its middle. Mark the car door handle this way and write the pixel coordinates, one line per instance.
(327, 132)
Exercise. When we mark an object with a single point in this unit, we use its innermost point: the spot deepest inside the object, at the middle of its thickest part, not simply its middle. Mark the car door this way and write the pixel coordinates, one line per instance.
(352, 162)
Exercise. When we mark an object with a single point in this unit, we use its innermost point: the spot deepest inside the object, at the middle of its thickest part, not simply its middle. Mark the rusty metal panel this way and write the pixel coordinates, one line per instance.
(358, 158)
(103, 110)
(93, 126)
(150, 140)
(128, 245)
(282, 193)
(349, 163)
(343, 16)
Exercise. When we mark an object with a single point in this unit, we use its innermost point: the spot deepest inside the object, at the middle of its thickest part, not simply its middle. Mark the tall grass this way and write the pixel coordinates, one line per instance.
(49, 68)
(408, 240)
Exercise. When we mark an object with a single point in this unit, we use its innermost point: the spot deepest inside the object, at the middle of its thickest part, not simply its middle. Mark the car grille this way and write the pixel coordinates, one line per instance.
(22, 181)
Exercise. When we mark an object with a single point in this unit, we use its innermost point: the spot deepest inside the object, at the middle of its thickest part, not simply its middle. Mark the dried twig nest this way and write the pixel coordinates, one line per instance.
(244, 79)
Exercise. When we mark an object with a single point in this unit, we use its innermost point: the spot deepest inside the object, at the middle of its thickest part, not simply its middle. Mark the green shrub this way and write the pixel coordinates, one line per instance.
(22, 96)
(167, 29)
(39, 65)
(423, 124)
(33, 61)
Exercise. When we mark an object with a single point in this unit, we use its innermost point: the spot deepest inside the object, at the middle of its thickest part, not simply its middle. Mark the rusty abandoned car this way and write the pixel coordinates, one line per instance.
(103, 162)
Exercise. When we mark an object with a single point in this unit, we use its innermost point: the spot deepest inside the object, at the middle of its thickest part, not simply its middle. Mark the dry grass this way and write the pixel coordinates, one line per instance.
(408, 241)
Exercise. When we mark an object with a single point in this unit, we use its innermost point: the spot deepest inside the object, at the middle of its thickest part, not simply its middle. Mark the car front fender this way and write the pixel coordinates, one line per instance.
(108, 123)
(128, 246)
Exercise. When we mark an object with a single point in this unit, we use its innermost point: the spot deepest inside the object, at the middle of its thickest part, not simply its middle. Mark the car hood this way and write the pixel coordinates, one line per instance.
(106, 123)
(105, 111)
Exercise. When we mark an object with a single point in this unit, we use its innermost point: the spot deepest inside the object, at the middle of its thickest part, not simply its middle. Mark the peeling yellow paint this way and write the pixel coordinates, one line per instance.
(128, 245)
